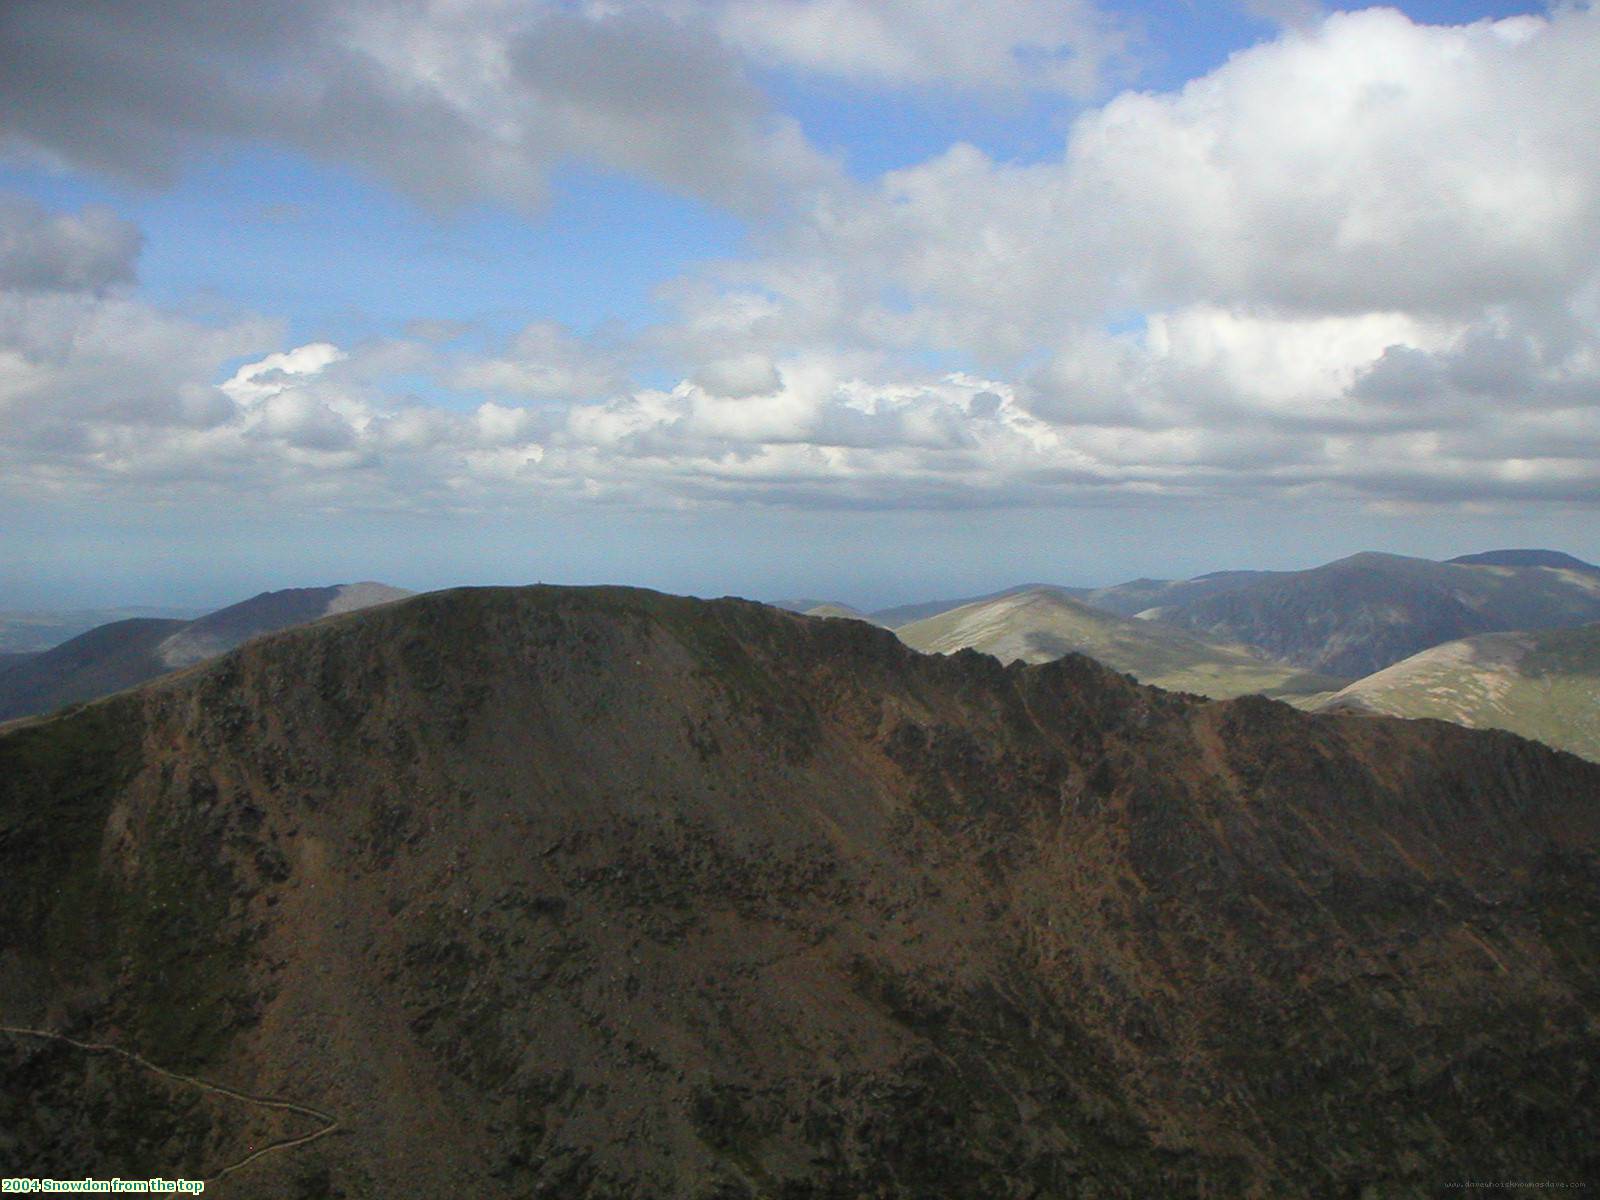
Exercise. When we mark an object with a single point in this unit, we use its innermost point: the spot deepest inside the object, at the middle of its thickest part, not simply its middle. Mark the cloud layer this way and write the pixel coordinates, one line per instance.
(1358, 261)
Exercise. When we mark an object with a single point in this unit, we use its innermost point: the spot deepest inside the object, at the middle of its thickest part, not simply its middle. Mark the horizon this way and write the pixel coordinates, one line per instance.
(871, 607)
(869, 302)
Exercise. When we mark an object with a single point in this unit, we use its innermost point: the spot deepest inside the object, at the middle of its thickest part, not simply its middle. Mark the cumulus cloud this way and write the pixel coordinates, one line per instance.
(280, 371)
(1366, 164)
(1358, 260)
(45, 251)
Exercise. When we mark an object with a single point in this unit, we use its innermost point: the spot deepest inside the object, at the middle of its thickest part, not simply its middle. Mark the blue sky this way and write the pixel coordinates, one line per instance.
(725, 297)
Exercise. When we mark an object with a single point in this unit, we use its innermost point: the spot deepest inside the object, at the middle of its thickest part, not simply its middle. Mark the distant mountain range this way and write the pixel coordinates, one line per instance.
(1362, 613)
(599, 893)
(128, 652)
(30, 631)
(1347, 618)
(1038, 624)
(1543, 684)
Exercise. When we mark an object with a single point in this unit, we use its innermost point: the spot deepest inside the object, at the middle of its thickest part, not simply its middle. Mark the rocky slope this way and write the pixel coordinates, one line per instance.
(1039, 624)
(600, 893)
(1543, 685)
(125, 653)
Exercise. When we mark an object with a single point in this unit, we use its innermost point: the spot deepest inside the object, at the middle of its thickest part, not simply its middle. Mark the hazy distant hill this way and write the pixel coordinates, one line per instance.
(226, 628)
(1526, 558)
(1543, 685)
(597, 893)
(1040, 624)
(125, 653)
(812, 607)
(96, 663)
(905, 614)
(830, 609)
(1140, 595)
(30, 631)
(1362, 613)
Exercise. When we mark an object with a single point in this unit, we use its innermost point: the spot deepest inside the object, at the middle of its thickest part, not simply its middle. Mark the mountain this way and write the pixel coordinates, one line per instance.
(1040, 624)
(821, 608)
(1543, 685)
(905, 614)
(125, 653)
(840, 611)
(1527, 558)
(226, 628)
(1152, 595)
(601, 893)
(799, 604)
(1362, 613)
(30, 631)
(97, 663)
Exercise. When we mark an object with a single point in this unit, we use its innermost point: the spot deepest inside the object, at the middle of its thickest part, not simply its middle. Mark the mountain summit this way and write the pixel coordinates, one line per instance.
(603, 893)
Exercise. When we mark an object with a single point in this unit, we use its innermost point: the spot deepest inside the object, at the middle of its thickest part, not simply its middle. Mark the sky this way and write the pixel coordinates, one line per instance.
(874, 300)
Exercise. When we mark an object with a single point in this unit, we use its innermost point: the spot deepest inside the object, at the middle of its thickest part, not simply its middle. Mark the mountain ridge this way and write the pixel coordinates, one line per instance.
(598, 893)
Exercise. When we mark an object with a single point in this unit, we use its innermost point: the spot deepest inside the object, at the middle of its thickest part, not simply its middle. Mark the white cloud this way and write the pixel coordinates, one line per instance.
(740, 376)
(258, 381)
(1359, 260)
(1366, 165)
(544, 362)
(1058, 45)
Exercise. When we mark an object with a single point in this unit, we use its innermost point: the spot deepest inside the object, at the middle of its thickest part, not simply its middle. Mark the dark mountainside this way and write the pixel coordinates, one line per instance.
(126, 653)
(1362, 613)
(97, 663)
(601, 893)
(31, 631)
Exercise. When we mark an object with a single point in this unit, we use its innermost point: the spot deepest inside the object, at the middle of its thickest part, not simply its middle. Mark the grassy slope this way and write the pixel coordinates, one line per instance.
(1543, 685)
(1043, 624)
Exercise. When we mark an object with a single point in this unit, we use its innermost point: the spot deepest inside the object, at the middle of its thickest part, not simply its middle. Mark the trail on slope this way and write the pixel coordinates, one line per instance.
(330, 1123)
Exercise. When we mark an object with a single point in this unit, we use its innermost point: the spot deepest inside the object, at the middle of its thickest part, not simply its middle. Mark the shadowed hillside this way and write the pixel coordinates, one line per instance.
(125, 653)
(602, 893)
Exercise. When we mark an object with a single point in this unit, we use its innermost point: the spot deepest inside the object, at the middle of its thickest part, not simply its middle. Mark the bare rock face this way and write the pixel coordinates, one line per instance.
(601, 893)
